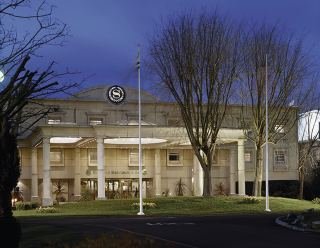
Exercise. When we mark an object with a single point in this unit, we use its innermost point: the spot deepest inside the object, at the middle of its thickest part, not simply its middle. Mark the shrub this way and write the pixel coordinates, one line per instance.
(26, 205)
(180, 188)
(250, 200)
(220, 189)
(145, 205)
(316, 200)
(87, 195)
(45, 210)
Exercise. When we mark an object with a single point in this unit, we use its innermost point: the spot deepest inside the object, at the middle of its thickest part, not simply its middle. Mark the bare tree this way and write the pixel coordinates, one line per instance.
(288, 72)
(22, 86)
(197, 61)
(309, 149)
(42, 29)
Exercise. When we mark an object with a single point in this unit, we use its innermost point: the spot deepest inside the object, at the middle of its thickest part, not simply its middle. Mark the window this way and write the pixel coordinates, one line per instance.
(175, 157)
(280, 158)
(92, 157)
(134, 157)
(248, 160)
(54, 120)
(56, 157)
(95, 121)
(279, 128)
(248, 157)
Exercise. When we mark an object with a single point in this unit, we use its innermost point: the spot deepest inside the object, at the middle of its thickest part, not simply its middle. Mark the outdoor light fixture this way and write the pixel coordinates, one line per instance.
(1, 76)
(64, 140)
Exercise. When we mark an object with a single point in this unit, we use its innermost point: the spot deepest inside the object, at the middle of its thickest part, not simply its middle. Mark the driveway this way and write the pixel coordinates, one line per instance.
(208, 231)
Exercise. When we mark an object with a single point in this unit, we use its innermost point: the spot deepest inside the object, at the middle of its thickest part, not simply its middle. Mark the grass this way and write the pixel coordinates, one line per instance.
(176, 206)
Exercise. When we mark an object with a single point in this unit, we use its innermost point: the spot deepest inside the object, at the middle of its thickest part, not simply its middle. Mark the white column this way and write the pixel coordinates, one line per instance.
(157, 173)
(77, 176)
(241, 169)
(101, 171)
(34, 177)
(46, 195)
(233, 164)
(197, 177)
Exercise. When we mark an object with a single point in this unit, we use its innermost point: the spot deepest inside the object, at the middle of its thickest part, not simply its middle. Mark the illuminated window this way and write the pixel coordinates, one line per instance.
(95, 121)
(92, 157)
(54, 120)
(248, 157)
(56, 157)
(134, 157)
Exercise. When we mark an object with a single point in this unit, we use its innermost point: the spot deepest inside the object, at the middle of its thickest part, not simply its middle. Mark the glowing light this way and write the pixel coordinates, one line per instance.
(133, 141)
(1, 76)
(63, 140)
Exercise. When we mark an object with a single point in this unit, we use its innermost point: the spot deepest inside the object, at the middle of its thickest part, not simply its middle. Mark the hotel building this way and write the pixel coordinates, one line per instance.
(89, 143)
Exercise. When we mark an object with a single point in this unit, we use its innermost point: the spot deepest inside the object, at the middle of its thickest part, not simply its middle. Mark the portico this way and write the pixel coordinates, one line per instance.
(156, 142)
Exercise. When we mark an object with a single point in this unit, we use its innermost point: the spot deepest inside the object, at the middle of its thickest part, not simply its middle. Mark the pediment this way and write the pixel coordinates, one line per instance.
(99, 93)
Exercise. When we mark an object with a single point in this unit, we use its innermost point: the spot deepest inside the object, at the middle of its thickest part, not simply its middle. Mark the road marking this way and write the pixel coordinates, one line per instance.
(169, 224)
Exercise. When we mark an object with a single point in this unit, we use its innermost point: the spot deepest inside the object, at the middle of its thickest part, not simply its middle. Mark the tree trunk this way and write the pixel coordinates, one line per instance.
(9, 171)
(5, 203)
(301, 181)
(207, 181)
(258, 173)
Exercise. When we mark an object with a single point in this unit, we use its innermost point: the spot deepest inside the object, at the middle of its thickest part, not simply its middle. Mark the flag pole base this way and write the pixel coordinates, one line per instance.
(140, 213)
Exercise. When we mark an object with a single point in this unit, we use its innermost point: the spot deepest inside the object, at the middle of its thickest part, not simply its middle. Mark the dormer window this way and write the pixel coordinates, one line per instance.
(54, 120)
(94, 118)
(95, 121)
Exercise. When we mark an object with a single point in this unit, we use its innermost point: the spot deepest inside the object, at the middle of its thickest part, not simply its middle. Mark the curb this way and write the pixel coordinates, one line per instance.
(285, 224)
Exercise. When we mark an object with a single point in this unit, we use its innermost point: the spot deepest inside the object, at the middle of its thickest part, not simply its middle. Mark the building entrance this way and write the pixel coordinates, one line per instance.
(127, 188)
(120, 188)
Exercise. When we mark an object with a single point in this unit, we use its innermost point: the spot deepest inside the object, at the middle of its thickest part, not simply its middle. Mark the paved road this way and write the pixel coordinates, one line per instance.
(213, 231)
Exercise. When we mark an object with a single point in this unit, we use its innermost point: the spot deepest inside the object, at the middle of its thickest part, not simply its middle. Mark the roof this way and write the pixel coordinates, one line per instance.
(99, 93)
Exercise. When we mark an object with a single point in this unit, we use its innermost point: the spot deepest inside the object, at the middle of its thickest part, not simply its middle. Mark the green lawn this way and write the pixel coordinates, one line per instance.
(176, 206)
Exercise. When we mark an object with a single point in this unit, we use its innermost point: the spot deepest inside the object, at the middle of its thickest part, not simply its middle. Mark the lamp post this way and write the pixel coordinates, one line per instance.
(267, 141)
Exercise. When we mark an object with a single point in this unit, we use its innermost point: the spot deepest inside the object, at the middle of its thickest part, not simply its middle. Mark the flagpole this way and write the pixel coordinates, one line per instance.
(267, 141)
(140, 164)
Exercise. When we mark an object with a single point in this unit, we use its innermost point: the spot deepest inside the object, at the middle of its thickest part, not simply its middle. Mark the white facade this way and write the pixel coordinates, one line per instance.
(89, 143)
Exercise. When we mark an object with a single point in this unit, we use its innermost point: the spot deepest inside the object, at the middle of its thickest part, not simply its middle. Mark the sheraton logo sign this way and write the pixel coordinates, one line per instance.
(116, 94)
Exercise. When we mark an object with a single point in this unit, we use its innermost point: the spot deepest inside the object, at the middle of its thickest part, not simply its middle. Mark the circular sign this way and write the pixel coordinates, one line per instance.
(116, 94)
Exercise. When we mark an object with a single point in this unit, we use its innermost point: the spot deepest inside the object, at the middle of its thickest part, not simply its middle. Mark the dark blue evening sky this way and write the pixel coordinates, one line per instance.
(105, 33)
